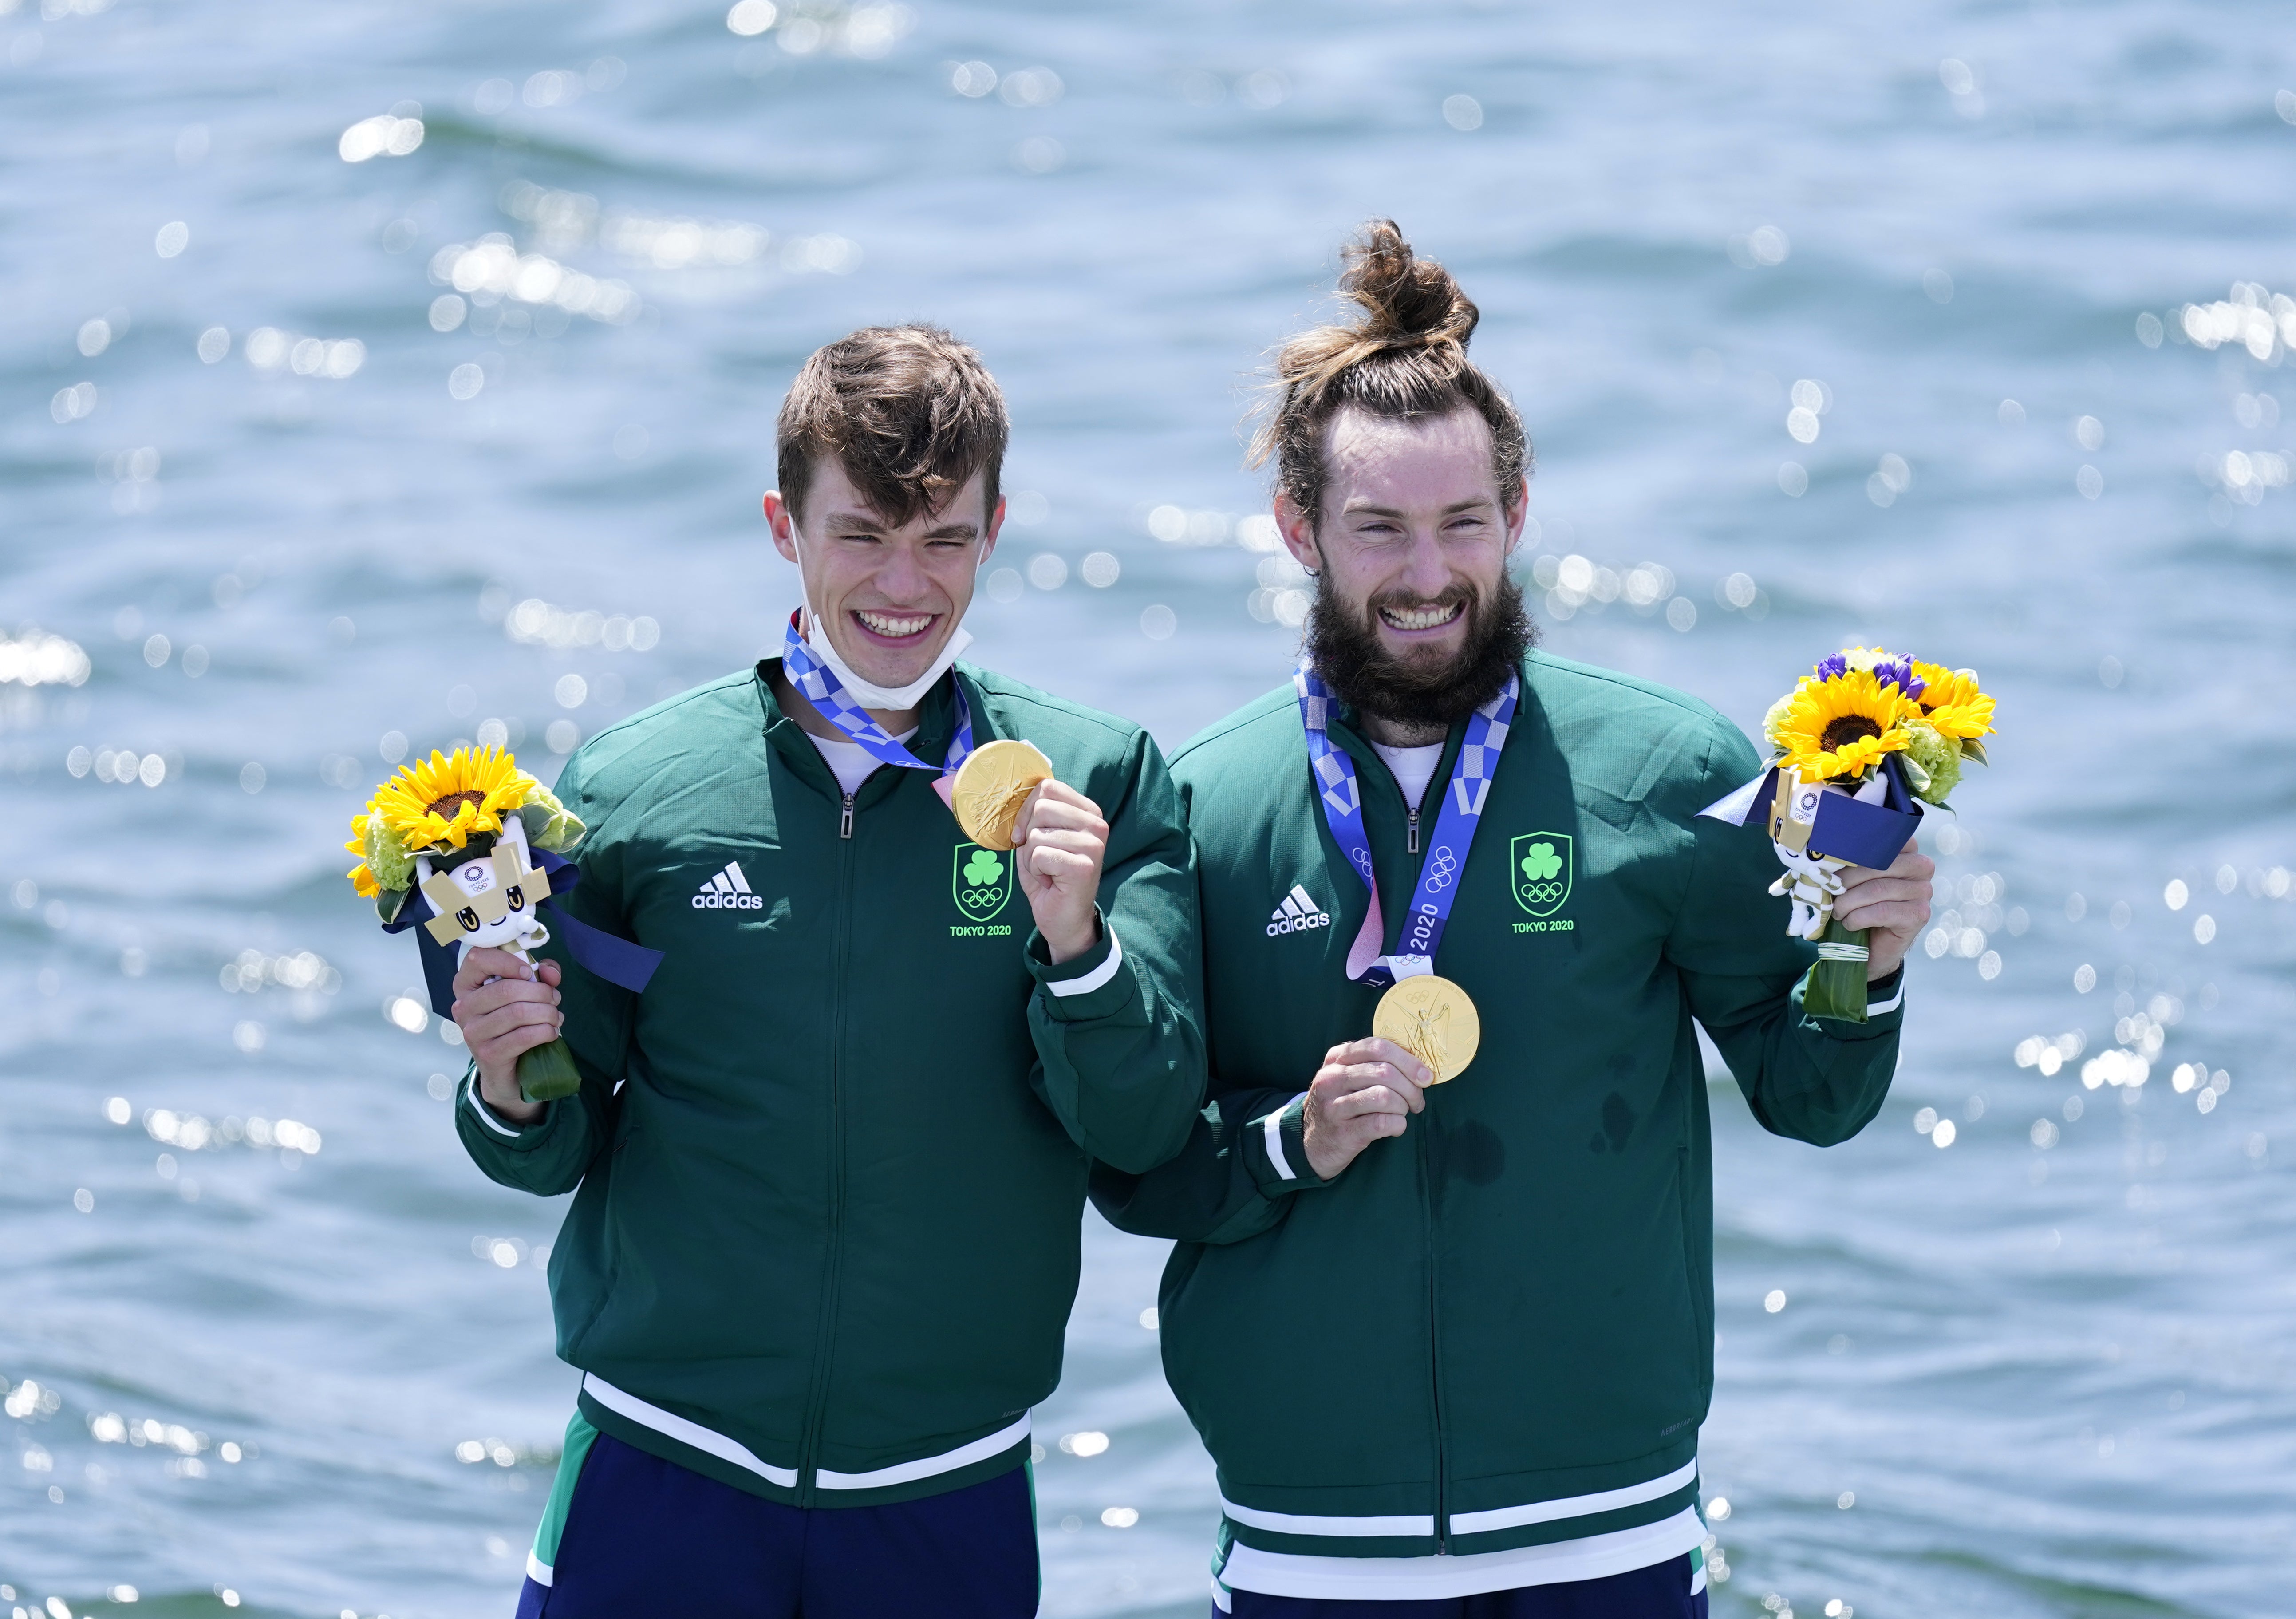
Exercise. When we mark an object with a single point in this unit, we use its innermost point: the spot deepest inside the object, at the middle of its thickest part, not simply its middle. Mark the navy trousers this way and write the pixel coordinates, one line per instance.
(1661, 1591)
(646, 1536)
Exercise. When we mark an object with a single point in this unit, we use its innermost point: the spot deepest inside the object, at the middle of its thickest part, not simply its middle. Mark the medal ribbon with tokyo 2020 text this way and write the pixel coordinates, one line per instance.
(1455, 826)
(827, 693)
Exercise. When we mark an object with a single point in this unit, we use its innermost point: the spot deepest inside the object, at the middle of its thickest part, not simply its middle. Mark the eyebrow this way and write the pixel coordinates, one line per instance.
(1455, 506)
(850, 522)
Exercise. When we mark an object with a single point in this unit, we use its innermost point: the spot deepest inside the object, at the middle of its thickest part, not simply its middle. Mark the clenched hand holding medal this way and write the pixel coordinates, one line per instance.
(1428, 1017)
(1005, 796)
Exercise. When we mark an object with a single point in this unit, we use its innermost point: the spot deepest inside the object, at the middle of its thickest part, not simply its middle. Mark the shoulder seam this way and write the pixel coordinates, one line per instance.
(1696, 707)
(1237, 721)
(995, 684)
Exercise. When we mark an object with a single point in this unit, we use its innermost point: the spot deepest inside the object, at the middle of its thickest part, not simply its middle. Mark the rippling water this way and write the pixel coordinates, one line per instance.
(2043, 1369)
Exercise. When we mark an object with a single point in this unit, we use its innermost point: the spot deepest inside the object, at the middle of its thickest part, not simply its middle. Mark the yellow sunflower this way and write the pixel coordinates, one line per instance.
(442, 803)
(1841, 726)
(1951, 701)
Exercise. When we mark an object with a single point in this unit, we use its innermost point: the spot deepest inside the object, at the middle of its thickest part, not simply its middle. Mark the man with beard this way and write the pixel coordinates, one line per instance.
(1460, 1375)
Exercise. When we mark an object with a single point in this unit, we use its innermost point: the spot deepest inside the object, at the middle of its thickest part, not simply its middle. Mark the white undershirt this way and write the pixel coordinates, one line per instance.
(1413, 768)
(850, 762)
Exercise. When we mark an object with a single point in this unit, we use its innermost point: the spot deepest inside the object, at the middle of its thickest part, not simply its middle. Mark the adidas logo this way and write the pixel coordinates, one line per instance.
(1297, 914)
(727, 890)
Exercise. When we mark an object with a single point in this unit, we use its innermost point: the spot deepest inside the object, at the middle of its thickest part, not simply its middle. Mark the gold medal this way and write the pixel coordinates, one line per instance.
(1432, 1019)
(991, 785)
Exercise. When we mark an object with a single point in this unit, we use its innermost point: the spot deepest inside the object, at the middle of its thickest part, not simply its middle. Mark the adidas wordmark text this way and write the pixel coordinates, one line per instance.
(727, 890)
(1297, 914)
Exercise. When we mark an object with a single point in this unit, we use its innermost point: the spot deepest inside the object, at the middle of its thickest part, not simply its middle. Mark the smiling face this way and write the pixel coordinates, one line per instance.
(1412, 543)
(889, 597)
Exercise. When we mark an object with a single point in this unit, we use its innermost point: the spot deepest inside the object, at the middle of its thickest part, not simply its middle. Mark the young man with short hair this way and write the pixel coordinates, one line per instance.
(1460, 1375)
(829, 1167)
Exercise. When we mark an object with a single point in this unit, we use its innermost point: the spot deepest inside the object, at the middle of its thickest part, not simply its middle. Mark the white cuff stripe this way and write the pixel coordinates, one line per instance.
(1099, 975)
(486, 1115)
(1272, 1130)
(537, 1570)
(1891, 1004)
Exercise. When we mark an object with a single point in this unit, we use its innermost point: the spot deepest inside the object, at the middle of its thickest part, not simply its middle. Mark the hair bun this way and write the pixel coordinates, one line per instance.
(1408, 301)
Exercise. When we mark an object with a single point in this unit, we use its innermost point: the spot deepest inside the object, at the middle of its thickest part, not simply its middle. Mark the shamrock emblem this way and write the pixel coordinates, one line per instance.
(984, 867)
(1541, 864)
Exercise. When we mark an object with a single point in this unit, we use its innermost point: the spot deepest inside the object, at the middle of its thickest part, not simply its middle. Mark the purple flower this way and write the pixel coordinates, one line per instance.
(1834, 666)
(1900, 672)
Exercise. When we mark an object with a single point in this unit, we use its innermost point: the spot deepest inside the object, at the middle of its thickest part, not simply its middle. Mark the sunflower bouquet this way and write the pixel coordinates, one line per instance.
(1861, 744)
(467, 846)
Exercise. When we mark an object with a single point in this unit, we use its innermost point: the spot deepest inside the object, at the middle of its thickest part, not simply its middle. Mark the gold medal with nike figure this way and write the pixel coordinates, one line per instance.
(991, 785)
(1429, 1016)
(1432, 1019)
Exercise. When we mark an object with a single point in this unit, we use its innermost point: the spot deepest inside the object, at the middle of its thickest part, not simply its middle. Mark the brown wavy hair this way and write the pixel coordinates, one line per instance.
(909, 412)
(1407, 356)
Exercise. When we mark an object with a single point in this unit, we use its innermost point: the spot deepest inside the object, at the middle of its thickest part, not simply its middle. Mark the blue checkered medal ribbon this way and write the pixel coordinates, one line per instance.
(827, 694)
(1447, 854)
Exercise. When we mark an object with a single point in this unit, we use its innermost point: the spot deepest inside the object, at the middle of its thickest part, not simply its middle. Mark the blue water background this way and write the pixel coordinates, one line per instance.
(2004, 1378)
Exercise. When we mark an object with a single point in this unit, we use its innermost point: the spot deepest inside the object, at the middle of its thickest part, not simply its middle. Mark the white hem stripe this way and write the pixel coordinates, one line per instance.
(1593, 1557)
(1576, 1506)
(694, 1434)
(1463, 1522)
(947, 1461)
(1098, 976)
(686, 1433)
(1287, 1522)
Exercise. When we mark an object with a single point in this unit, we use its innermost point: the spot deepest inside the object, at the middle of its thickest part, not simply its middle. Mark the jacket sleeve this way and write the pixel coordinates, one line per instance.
(1233, 1179)
(551, 1155)
(1118, 1033)
(1812, 1079)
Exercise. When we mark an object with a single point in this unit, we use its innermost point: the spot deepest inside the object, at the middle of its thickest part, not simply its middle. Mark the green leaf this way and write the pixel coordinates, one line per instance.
(1918, 778)
(1970, 748)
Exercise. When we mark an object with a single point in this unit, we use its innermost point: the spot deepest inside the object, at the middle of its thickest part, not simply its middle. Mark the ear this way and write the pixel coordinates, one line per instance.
(1517, 514)
(783, 523)
(1299, 531)
(988, 535)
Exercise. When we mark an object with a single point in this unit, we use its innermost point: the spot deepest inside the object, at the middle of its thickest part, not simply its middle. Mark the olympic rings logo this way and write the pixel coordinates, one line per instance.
(1441, 869)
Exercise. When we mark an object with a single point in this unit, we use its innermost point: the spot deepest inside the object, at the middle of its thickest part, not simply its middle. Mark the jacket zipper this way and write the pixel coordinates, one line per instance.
(1434, 1357)
(825, 1336)
(1434, 1316)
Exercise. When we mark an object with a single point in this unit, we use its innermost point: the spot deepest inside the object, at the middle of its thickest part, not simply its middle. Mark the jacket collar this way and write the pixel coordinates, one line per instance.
(936, 723)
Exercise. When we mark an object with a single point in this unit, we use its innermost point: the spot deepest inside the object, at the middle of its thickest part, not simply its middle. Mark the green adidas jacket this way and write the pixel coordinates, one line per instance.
(829, 1169)
(1498, 1330)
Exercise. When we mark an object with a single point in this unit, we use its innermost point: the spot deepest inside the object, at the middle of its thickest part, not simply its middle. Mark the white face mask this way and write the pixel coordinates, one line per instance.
(868, 694)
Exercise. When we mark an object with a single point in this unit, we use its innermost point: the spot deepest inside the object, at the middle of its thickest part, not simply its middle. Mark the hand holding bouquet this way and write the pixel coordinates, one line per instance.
(1860, 746)
(468, 846)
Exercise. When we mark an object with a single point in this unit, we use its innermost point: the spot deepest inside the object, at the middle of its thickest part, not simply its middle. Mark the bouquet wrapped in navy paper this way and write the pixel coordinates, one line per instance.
(471, 847)
(1858, 747)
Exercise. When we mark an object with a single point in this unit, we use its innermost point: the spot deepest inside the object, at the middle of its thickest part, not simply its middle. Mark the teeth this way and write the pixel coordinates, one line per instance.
(887, 624)
(1420, 617)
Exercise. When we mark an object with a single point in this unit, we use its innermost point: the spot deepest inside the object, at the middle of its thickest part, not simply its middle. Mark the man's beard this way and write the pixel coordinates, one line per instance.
(1419, 692)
